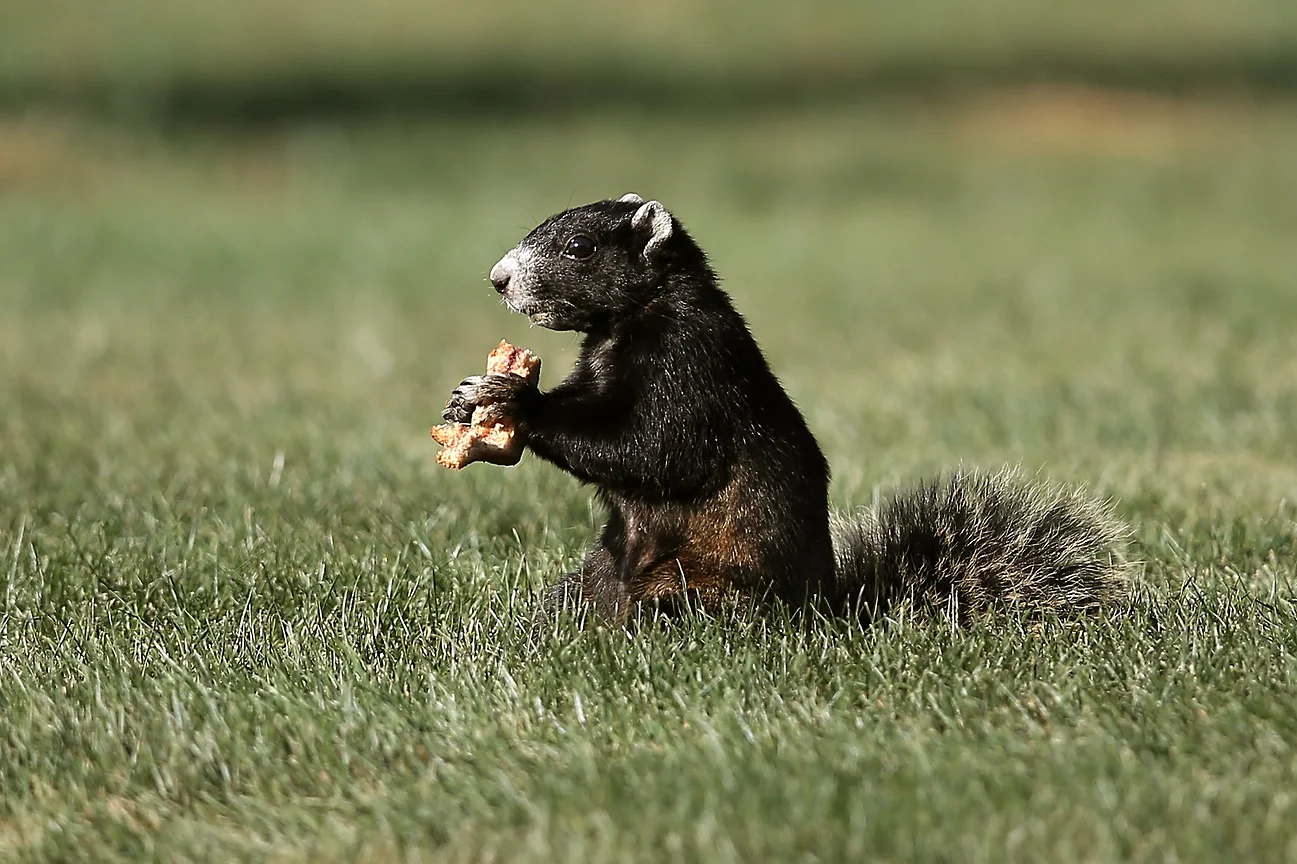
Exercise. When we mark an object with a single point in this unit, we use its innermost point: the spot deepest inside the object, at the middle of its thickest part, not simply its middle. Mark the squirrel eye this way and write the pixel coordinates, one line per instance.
(580, 247)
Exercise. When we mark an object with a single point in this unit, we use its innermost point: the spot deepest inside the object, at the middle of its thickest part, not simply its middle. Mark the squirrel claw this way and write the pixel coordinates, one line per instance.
(500, 392)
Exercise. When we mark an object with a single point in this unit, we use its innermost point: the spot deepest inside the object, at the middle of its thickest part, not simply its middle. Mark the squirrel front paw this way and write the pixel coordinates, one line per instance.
(506, 395)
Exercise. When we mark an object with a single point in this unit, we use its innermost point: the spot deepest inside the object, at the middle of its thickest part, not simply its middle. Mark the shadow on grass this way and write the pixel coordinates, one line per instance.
(324, 91)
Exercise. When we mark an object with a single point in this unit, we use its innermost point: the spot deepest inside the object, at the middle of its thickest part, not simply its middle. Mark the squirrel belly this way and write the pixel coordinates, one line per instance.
(715, 487)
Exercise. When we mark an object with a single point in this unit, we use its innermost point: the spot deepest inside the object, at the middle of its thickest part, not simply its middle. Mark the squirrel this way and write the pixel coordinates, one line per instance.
(716, 489)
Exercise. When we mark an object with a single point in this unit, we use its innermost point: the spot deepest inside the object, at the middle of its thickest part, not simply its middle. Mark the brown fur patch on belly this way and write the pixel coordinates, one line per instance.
(718, 553)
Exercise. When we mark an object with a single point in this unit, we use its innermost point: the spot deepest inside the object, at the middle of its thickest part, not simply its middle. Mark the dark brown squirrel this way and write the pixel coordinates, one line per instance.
(716, 490)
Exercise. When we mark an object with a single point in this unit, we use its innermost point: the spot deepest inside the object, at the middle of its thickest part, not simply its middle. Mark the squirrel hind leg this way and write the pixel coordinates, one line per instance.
(593, 590)
(971, 541)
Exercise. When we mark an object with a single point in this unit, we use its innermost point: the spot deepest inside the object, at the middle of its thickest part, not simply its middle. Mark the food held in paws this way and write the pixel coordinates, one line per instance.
(490, 436)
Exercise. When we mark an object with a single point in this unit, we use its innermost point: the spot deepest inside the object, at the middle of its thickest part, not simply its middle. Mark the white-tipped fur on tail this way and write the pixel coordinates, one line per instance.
(970, 541)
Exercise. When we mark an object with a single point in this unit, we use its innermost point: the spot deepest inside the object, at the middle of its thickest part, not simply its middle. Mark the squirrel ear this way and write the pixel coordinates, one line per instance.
(631, 198)
(653, 218)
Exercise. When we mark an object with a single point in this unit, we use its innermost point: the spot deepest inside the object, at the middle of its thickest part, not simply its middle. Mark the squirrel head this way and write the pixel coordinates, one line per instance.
(592, 266)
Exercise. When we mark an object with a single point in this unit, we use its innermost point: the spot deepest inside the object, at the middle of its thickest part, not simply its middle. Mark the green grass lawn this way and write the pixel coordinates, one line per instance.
(260, 61)
(243, 614)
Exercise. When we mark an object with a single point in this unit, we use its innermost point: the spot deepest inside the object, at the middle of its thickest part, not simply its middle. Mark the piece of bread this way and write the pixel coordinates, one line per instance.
(489, 437)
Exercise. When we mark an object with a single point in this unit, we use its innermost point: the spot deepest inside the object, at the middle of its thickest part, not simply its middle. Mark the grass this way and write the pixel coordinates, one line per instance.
(244, 615)
(150, 39)
(257, 62)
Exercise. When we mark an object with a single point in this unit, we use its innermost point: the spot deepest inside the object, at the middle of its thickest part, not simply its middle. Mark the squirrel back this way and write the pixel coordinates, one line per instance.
(714, 485)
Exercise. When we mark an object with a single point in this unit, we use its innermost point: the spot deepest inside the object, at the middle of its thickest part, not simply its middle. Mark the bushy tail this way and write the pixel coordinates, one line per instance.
(969, 542)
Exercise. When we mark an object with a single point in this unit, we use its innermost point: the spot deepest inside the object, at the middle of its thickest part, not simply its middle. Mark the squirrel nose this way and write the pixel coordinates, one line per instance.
(501, 273)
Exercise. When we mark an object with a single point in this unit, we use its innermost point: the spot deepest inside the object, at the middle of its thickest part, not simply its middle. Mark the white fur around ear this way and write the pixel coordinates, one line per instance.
(654, 218)
(631, 198)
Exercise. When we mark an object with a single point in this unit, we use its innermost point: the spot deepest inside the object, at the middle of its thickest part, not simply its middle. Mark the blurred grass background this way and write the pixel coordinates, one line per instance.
(243, 250)
(264, 62)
